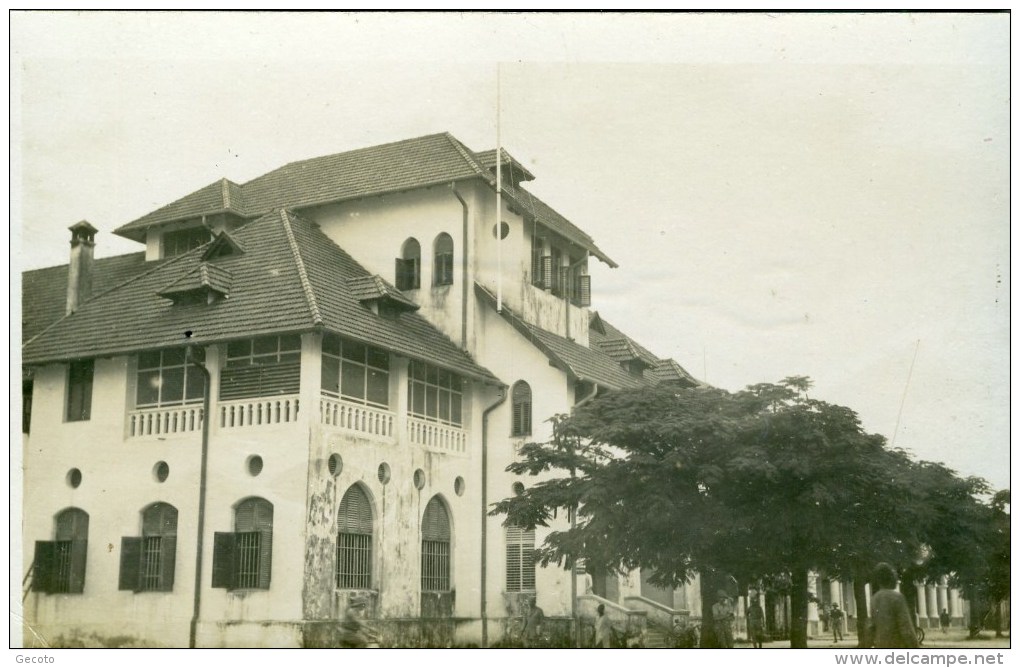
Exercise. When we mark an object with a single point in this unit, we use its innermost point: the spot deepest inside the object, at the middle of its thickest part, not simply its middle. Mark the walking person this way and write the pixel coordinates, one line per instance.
(944, 620)
(836, 622)
(354, 632)
(533, 625)
(891, 624)
(722, 615)
(603, 629)
(755, 624)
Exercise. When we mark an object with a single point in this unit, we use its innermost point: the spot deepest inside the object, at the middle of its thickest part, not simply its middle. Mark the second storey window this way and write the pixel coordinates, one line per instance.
(408, 271)
(442, 272)
(182, 241)
(165, 378)
(434, 394)
(521, 400)
(262, 367)
(79, 390)
(355, 372)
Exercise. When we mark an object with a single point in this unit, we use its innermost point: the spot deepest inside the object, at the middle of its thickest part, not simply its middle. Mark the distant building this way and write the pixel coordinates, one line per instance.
(308, 387)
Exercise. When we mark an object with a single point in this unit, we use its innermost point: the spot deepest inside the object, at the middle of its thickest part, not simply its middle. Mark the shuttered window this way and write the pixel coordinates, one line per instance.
(520, 559)
(147, 563)
(435, 547)
(521, 406)
(354, 541)
(434, 394)
(244, 559)
(59, 565)
(79, 390)
(182, 241)
(355, 371)
(408, 266)
(443, 268)
(262, 367)
(582, 292)
(165, 378)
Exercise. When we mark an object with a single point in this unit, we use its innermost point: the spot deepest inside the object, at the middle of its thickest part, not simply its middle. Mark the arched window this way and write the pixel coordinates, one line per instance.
(408, 274)
(435, 547)
(520, 559)
(520, 398)
(244, 559)
(59, 565)
(147, 563)
(442, 272)
(354, 541)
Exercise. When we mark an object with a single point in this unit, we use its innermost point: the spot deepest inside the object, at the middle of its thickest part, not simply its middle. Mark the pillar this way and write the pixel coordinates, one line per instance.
(943, 595)
(922, 601)
(933, 607)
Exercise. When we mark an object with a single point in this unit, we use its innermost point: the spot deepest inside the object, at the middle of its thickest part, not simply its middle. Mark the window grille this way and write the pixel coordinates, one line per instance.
(79, 390)
(521, 401)
(261, 367)
(443, 268)
(435, 547)
(355, 371)
(60, 563)
(434, 394)
(62, 583)
(354, 541)
(520, 559)
(165, 378)
(248, 561)
(147, 563)
(244, 559)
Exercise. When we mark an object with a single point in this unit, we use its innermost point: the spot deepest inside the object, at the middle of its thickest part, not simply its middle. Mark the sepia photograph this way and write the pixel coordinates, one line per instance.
(511, 331)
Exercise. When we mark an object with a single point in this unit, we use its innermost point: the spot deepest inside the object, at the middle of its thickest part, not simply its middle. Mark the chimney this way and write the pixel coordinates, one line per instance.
(79, 270)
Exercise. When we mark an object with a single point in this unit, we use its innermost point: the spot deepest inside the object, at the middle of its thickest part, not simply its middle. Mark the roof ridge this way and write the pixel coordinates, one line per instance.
(347, 152)
(306, 285)
(469, 158)
(118, 286)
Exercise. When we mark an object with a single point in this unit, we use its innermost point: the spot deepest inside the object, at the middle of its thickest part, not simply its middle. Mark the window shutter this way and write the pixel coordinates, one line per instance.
(526, 418)
(584, 290)
(44, 566)
(223, 571)
(435, 523)
(260, 380)
(547, 274)
(167, 559)
(518, 419)
(79, 548)
(355, 515)
(415, 272)
(398, 273)
(130, 564)
(265, 558)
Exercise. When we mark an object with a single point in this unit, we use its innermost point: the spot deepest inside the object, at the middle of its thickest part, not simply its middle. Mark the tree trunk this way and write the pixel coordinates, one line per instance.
(909, 591)
(861, 601)
(799, 608)
(708, 591)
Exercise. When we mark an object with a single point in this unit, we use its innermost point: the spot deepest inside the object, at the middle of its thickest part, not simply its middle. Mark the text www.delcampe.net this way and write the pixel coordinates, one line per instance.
(920, 659)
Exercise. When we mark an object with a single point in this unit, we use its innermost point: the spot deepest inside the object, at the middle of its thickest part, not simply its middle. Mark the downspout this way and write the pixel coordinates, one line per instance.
(485, 506)
(573, 525)
(463, 271)
(206, 417)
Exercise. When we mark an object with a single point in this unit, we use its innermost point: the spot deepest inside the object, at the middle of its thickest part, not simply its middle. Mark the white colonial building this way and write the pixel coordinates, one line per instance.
(307, 386)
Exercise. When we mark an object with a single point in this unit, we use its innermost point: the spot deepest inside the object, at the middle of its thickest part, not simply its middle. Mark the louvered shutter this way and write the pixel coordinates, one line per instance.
(265, 558)
(130, 564)
(167, 557)
(44, 566)
(76, 582)
(223, 568)
(260, 380)
(435, 523)
(584, 290)
(547, 274)
(400, 273)
(355, 514)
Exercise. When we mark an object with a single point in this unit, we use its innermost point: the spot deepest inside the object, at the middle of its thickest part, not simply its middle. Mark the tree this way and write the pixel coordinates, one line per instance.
(682, 480)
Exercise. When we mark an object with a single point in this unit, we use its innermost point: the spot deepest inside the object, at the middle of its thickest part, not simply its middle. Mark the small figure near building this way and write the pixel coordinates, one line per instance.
(836, 622)
(533, 623)
(603, 629)
(891, 623)
(354, 632)
(944, 620)
(755, 624)
(722, 615)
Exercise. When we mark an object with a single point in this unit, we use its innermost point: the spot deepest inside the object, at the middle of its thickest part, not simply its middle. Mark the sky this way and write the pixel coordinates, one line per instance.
(786, 194)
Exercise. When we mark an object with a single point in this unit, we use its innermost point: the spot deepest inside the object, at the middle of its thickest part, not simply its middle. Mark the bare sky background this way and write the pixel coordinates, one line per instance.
(805, 194)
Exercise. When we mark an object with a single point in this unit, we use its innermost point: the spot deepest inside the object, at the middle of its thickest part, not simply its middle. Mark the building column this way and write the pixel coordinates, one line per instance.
(943, 595)
(933, 606)
(814, 627)
(922, 601)
(955, 609)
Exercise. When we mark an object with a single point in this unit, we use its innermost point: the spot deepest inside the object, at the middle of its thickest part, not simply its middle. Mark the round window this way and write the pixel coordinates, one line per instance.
(419, 479)
(335, 464)
(161, 471)
(73, 478)
(458, 486)
(504, 230)
(254, 465)
(384, 473)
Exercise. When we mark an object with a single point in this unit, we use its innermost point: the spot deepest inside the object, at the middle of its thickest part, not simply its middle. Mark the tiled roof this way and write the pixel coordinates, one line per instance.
(364, 288)
(287, 280)
(583, 363)
(376, 170)
(668, 371)
(44, 291)
(623, 349)
(607, 337)
(488, 160)
(205, 276)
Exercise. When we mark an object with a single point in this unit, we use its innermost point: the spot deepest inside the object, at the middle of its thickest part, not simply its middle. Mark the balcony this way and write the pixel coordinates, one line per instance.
(356, 417)
(435, 436)
(164, 421)
(258, 412)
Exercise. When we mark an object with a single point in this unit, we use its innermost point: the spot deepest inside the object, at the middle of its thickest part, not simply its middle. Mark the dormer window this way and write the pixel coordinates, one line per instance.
(179, 242)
